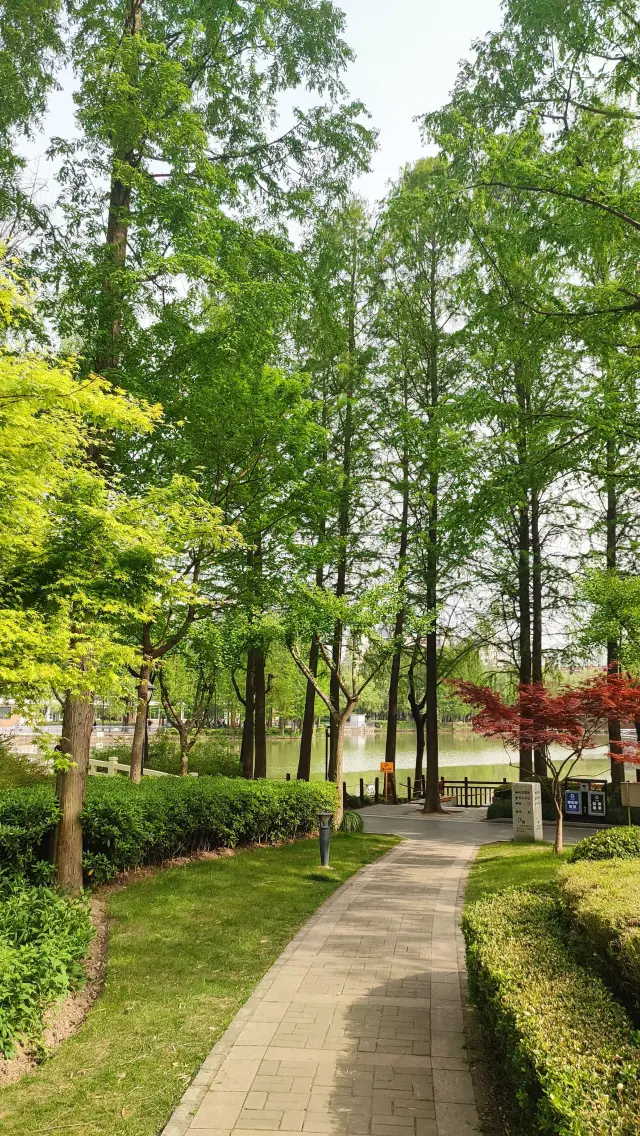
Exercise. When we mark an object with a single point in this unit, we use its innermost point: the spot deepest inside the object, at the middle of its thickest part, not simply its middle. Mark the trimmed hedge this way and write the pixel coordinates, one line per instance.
(567, 1052)
(43, 941)
(126, 825)
(610, 844)
(603, 900)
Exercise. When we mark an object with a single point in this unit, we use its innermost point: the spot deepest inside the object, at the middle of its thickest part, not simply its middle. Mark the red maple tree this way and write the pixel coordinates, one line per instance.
(571, 718)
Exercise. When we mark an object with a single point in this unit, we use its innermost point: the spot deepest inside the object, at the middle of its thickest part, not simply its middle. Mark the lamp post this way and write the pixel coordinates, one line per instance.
(324, 835)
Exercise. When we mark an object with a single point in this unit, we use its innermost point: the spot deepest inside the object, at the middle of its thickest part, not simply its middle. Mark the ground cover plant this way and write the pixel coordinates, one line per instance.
(187, 946)
(126, 825)
(610, 844)
(44, 937)
(602, 898)
(568, 1052)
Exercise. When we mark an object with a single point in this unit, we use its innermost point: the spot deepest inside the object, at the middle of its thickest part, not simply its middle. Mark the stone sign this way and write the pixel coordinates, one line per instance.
(527, 811)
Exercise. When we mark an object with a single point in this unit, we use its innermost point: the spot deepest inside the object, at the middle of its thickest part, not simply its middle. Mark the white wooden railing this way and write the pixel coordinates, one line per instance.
(111, 767)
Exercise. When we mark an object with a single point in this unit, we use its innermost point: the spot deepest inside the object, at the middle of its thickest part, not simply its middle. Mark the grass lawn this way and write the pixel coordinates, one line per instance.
(502, 865)
(187, 946)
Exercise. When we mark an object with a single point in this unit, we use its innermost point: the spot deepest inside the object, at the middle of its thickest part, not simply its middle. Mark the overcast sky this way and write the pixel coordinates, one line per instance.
(407, 60)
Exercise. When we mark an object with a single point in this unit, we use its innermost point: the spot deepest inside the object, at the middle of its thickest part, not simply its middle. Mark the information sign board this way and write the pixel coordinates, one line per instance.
(386, 767)
(573, 802)
(527, 811)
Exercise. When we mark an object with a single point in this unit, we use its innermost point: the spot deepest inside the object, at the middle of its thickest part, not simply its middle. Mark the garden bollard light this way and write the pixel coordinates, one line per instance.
(325, 834)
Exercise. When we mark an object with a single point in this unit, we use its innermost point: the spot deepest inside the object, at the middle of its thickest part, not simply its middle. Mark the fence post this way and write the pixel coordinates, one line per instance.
(376, 795)
(394, 796)
(466, 792)
(408, 790)
(362, 791)
(112, 771)
(344, 794)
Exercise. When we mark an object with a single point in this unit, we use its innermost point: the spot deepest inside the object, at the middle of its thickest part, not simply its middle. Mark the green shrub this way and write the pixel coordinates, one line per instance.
(567, 1052)
(128, 825)
(610, 844)
(16, 770)
(28, 817)
(352, 822)
(43, 941)
(603, 900)
(210, 757)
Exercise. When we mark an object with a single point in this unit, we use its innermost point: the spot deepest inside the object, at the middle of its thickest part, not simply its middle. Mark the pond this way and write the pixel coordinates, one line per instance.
(462, 754)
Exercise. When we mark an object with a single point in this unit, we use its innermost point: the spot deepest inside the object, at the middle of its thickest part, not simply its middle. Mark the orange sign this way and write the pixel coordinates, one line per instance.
(386, 767)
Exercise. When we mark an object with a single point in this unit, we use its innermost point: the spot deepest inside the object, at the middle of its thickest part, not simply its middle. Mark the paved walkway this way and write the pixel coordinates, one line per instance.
(358, 1027)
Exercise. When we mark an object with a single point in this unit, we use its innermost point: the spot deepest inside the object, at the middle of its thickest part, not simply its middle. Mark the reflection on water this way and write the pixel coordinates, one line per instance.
(462, 754)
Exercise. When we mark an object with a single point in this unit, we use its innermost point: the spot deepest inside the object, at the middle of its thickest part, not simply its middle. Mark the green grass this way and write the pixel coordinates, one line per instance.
(502, 865)
(187, 946)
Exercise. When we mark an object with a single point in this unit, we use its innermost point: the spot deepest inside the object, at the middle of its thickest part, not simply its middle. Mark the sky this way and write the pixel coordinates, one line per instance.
(407, 55)
(407, 61)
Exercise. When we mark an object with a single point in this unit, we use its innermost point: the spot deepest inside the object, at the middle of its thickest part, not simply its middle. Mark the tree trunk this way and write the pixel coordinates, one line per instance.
(246, 750)
(539, 761)
(419, 769)
(340, 724)
(432, 793)
(394, 679)
(118, 222)
(139, 732)
(308, 721)
(184, 752)
(432, 787)
(260, 718)
(419, 718)
(77, 722)
(613, 650)
(557, 801)
(524, 563)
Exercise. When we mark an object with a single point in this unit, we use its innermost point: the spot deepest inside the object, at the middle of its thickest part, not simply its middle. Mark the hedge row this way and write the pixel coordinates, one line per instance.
(603, 901)
(126, 825)
(43, 941)
(610, 844)
(568, 1055)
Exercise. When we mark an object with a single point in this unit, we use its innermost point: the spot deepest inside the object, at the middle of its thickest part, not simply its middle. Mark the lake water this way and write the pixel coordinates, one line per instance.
(462, 754)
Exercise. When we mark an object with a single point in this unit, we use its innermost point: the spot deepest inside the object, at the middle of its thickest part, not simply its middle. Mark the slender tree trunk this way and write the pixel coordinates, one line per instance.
(524, 562)
(118, 222)
(340, 724)
(77, 722)
(142, 710)
(260, 721)
(420, 742)
(419, 718)
(246, 750)
(308, 721)
(539, 761)
(613, 650)
(557, 801)
(394, 679)
(432, 787)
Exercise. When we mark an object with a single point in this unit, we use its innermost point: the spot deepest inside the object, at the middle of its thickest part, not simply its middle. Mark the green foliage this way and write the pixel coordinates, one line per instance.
(16, 770)
(611, 844)
(28, 817)
(210, 757)
(126, 825)
(44, 938)
(603, 900)
(567, 1052)
(351, 822)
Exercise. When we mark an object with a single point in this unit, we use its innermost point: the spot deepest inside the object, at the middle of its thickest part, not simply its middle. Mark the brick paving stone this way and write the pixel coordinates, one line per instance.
(357, 1030)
